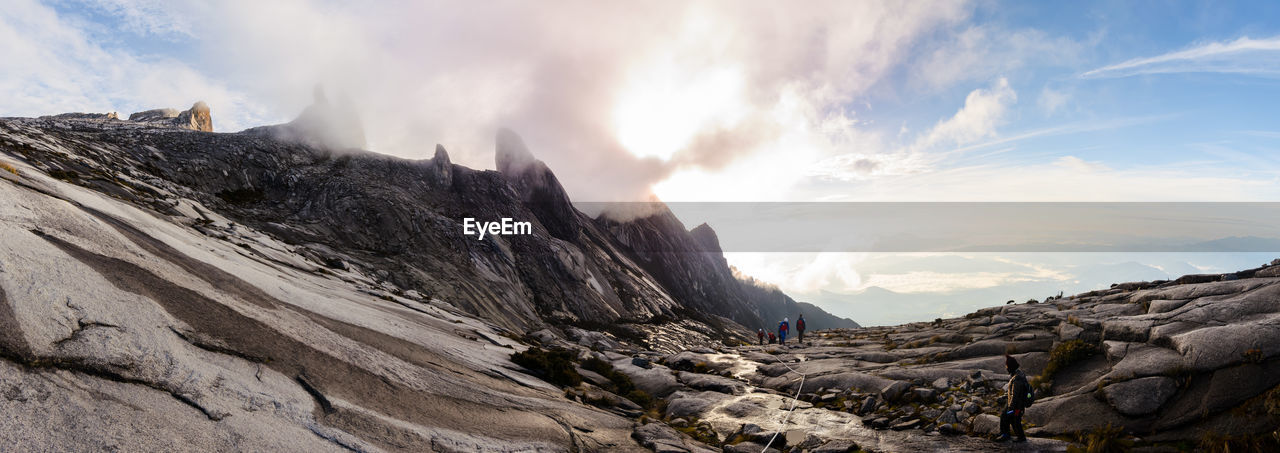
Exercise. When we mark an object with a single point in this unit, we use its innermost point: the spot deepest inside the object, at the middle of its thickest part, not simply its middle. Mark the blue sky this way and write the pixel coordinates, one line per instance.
(731, 101)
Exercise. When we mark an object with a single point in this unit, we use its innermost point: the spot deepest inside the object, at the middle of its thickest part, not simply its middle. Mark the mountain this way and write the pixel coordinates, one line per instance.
(236, 284)
(400, 221)
(165, 288)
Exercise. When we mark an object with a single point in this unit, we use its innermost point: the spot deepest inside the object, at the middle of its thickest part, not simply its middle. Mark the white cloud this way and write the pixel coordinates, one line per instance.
(52, 67)
(1051, 100)
(1243, 56)
(453, 72)
(983, 111)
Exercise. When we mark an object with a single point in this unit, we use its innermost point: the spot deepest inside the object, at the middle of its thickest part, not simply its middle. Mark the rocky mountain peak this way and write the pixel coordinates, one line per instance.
(197, 118)
(706, 238)
(441, 168)
(325, 124)
(441, 155)
(512, 155)
(538, 187)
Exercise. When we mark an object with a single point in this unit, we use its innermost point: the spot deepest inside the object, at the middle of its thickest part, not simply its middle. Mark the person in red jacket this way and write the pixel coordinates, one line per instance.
(800, 329)
(783, 327)
(760, 334)
(773, 339)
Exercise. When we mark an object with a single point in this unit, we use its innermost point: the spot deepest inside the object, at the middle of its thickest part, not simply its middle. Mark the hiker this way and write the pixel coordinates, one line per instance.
(760, 334)
(1019, 389)
(773, 339)
(783, 327)
(800, 329)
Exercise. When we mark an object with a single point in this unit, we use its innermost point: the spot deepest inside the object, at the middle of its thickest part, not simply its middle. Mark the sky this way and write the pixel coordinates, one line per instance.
(734, 101)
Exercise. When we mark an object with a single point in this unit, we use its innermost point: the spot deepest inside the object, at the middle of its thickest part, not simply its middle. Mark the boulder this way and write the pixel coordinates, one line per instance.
(1068, 331)
(659, 437)
(893, 391)
(986, 424)
(948, 416)
(687, 360)
(924, 395)
(656, 380)
(868, 405)
(1140, 396)
(1138, 360)
(684, 404)
(941, 384)
(745, 408)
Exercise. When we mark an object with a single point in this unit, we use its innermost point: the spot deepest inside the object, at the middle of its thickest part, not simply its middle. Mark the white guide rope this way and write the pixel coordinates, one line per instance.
(794, 401)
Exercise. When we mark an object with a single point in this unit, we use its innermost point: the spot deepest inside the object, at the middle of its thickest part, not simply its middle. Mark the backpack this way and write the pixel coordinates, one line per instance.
(800, 325)
(1031, 392)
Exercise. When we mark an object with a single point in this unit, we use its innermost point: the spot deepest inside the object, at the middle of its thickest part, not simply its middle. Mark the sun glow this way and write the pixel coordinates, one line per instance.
(662, 110)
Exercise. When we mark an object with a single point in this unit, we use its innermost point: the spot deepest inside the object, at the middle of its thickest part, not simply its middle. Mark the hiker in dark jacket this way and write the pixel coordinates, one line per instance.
(1016, 403)
(800, 329)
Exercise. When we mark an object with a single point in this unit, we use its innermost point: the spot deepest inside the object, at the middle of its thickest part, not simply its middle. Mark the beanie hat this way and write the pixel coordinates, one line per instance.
(1010, 362)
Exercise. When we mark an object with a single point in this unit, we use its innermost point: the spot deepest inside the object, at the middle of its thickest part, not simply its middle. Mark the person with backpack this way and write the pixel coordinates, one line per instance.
(800, 329)
(783, 327)
(760, 335)
(773, 339)
(1020, 396)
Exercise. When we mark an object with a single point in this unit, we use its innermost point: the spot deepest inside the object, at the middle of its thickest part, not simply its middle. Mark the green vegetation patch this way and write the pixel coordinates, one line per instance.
(554, 366)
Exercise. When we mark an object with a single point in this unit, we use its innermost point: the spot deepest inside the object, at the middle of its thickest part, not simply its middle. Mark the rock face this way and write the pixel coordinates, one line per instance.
(252, 283)
(1140, 396)
(400, 222)
(197, 118)
(123, 329)
(154, 115)
(537, 187)
(85, 116)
